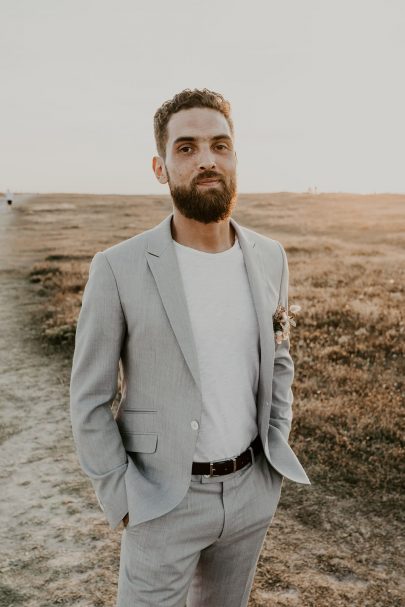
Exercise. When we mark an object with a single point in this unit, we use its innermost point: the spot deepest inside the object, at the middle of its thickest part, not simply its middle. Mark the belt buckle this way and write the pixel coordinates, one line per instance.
(212, 468)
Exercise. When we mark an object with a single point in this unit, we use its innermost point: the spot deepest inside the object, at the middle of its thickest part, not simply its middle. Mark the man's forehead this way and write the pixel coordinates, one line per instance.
(197, 122)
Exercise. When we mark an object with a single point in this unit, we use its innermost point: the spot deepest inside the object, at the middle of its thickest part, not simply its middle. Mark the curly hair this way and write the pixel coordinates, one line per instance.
(187, 99)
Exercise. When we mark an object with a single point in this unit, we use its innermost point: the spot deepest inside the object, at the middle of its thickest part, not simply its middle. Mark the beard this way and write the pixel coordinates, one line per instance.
(212, 204)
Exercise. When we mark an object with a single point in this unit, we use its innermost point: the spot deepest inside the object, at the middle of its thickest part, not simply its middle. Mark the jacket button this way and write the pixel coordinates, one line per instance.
(195, 425)
(267, 403)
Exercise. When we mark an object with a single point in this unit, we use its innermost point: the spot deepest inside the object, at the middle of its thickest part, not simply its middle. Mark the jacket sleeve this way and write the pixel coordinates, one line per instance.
(100, 333)
(283, 374)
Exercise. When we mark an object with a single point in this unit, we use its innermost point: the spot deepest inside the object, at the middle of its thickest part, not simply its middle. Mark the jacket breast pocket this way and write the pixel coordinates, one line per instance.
(140, 443)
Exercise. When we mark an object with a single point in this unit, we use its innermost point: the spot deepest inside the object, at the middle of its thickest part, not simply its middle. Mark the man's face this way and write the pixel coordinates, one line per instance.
(200, 165)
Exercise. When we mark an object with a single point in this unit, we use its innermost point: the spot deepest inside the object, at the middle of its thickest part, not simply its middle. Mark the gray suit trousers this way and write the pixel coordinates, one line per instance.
(204, 552)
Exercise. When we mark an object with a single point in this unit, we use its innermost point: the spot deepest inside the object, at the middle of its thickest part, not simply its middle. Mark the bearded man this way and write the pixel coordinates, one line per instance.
(193, 462)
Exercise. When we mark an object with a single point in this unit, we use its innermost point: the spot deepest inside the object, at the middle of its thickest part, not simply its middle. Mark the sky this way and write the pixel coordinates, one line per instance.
(317, 90)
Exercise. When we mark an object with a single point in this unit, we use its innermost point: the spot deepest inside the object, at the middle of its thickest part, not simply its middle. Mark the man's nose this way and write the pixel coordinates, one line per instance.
(206, 160)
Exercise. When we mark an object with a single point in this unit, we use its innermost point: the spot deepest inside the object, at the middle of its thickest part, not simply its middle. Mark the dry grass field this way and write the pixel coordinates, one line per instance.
(335, 543)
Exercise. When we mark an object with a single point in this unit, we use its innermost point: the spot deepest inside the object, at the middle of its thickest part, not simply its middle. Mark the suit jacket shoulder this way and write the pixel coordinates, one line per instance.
(128, 255)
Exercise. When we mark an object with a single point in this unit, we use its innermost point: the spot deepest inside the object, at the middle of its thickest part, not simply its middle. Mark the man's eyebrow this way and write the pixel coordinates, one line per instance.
(222, 137)
(186, 138)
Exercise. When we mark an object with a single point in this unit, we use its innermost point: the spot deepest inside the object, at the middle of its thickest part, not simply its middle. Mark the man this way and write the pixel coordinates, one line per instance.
(194, 460)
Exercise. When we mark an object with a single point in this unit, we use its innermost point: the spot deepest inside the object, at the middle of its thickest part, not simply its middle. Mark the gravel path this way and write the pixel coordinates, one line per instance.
(39, 502)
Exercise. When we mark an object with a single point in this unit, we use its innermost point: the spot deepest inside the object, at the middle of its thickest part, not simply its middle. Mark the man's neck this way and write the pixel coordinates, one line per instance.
(214, 237)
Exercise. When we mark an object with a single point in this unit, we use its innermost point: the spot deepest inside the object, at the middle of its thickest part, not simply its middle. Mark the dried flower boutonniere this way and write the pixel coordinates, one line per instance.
(282, 321)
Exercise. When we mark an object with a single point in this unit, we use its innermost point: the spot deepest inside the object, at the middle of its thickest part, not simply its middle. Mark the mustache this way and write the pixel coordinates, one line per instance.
(207, 175)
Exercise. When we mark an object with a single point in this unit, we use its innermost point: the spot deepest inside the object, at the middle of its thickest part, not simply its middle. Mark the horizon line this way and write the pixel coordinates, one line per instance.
(250, 193)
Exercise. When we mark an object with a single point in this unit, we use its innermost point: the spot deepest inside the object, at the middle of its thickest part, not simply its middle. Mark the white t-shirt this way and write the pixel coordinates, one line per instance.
(226, 335)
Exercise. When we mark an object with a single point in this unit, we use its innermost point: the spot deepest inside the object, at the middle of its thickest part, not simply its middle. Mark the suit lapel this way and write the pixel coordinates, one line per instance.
(260, 296)
(162, 260)
(263, 304)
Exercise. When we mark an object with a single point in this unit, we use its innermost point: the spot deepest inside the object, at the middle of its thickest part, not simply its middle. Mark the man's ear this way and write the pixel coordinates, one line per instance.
(158, 167)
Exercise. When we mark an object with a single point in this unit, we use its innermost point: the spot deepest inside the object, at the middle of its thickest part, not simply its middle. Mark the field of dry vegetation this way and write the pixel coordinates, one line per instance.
(337, 542)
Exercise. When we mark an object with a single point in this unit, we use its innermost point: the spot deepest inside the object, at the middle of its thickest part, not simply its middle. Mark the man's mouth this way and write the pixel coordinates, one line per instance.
(211, 181)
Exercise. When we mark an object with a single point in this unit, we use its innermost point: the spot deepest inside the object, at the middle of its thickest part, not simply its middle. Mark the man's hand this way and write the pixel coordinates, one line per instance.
(125, 520)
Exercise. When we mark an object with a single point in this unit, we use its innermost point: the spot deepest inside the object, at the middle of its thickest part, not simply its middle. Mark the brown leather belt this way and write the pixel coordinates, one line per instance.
(226, 466)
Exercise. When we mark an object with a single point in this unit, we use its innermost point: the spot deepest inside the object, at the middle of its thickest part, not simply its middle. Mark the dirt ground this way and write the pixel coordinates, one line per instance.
(336, 543)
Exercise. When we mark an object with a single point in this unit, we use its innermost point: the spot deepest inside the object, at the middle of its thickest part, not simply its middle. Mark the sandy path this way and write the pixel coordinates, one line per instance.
(38, 467)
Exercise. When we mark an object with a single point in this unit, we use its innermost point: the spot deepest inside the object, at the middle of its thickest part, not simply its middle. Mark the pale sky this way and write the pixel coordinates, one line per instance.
(316, 86)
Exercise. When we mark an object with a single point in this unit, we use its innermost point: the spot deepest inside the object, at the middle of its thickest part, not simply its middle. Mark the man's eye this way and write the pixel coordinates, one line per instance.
(185, 148)
(222, 146)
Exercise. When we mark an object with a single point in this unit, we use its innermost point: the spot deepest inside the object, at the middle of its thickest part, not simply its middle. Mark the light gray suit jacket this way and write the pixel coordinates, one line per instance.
(134, 311)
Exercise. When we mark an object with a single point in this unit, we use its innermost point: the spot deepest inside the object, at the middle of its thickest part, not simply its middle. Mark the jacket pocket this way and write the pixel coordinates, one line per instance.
(139, 443)
(137, 422)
